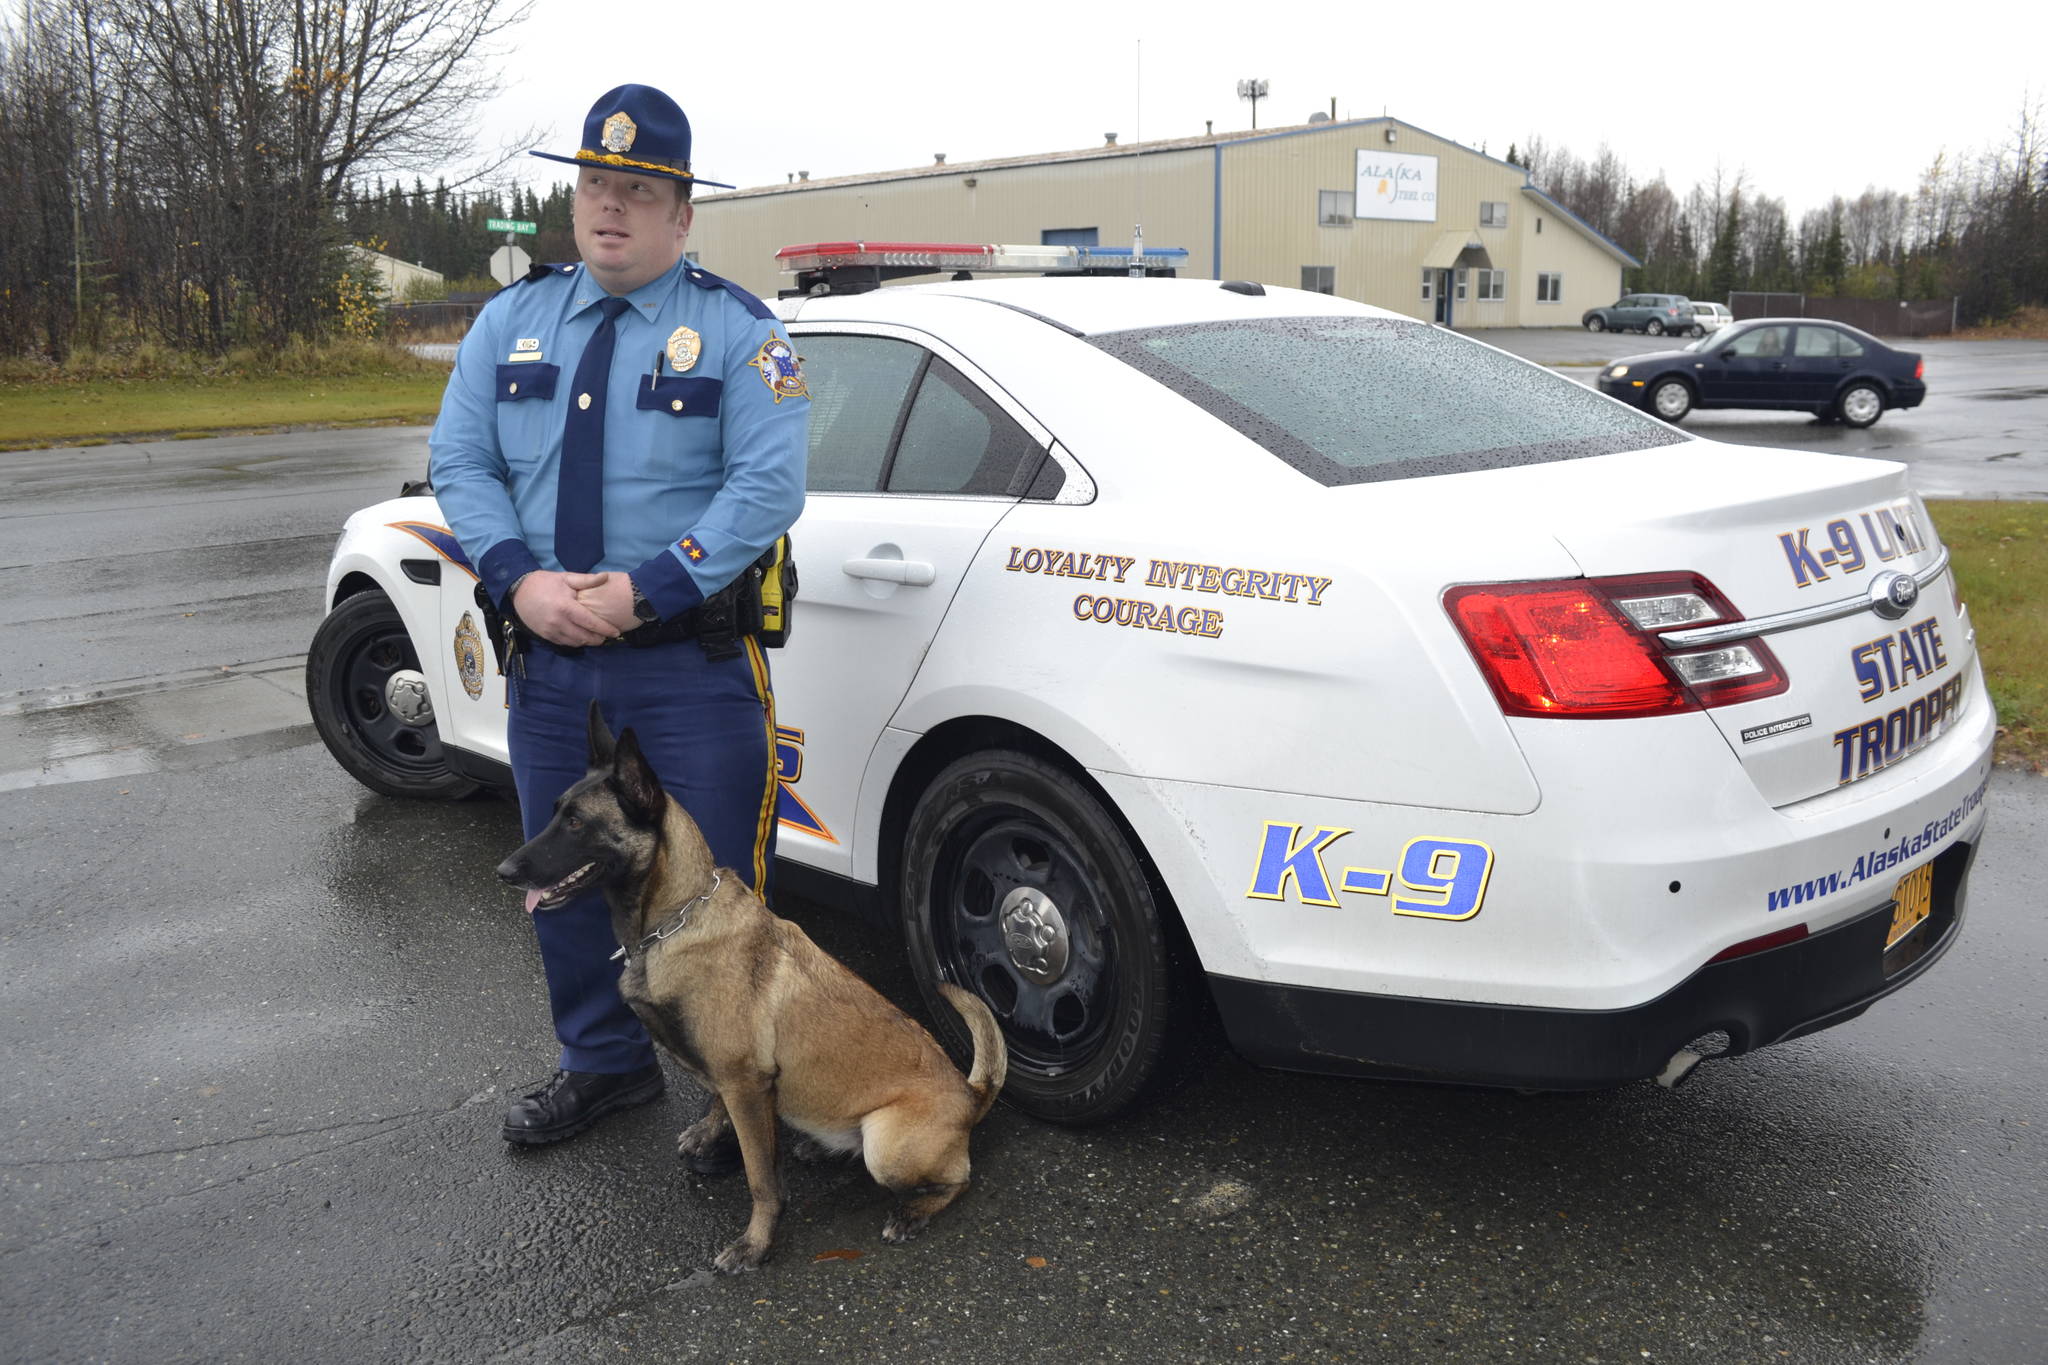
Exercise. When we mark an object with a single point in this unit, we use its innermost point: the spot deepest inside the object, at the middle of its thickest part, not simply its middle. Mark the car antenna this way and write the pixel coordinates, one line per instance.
(1138, 169)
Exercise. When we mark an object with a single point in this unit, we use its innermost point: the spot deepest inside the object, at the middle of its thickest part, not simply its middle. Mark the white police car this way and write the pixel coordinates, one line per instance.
(1171, 651)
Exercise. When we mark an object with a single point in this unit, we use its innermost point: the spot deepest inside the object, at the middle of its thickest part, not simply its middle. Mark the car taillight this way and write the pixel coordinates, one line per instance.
(1587, 648)
(1919, 369)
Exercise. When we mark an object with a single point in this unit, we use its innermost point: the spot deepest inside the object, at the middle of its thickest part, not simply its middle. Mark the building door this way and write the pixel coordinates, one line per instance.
(1443, 297)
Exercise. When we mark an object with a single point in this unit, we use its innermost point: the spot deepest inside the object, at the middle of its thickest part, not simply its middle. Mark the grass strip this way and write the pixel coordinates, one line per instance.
(2000, 553)
(46, 414)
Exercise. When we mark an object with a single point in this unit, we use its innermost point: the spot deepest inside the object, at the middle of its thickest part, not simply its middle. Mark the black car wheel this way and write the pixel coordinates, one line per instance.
(369, 702)
(1596, 323)
(1860, 405)
(1671, 399)
(1019, 886)
(1655, 327)
(1697, 330)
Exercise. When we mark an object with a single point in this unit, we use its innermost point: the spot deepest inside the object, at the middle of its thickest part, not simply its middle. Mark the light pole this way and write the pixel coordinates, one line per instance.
(1253, 91)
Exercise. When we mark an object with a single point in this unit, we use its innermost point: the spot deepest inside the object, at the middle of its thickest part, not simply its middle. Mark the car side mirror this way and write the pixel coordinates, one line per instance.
(1728, 354)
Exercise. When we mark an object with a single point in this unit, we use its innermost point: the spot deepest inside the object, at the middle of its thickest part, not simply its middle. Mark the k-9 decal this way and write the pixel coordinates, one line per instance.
(1433, 879)
(1886, 533)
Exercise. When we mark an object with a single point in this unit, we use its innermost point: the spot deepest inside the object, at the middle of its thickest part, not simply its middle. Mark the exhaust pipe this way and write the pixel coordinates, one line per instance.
(1679, 1069)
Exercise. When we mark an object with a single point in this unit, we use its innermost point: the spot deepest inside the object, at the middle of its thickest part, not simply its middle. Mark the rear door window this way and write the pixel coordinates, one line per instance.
(958, 441)
(858, 386)
(1815, 343)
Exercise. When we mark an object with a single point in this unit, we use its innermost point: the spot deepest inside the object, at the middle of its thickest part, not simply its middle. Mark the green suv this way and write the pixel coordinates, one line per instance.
(1652, 313)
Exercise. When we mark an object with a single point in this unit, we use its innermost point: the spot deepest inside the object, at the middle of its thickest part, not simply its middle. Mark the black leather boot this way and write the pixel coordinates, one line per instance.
(574, 1100)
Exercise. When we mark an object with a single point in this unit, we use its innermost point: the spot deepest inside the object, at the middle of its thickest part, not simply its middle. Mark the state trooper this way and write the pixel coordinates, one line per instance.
(621, 440)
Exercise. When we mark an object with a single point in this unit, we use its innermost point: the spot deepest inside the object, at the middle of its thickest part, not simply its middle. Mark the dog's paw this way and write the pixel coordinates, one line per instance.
(702, 1137)
(741, 1255)
(808, 1148)
(901, 1227)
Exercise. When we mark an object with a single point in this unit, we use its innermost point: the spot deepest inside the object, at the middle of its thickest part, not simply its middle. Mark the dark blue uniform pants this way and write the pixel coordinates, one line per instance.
(708, 728)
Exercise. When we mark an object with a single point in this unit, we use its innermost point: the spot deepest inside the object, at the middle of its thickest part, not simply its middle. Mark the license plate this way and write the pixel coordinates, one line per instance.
(1912, 900)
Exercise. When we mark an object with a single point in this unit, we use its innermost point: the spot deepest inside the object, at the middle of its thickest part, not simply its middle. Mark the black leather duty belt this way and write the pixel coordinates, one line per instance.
(645, 636)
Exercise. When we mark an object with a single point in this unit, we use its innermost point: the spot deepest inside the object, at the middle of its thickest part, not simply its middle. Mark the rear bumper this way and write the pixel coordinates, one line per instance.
(1909, 393)
(1757, 1000)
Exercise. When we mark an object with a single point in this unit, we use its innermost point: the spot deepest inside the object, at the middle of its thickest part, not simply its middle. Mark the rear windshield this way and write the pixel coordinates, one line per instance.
(1358, 400)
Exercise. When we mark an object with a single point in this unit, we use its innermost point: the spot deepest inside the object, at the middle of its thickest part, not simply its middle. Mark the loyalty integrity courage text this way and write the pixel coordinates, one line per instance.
(1187, 575)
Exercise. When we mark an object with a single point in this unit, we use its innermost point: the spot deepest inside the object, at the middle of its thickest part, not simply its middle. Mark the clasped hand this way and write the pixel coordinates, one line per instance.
(575, 609)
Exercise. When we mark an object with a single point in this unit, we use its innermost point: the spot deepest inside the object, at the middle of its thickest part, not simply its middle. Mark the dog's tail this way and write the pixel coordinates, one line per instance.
(991, 1056)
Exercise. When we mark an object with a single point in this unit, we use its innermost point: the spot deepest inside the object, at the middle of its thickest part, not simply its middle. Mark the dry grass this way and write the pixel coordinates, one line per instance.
(2001, 562)
(146, 361)
(2029, 324)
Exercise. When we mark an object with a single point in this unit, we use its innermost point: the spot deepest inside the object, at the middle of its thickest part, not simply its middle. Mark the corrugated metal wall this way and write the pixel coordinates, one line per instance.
(1269, 219)
(737, 236)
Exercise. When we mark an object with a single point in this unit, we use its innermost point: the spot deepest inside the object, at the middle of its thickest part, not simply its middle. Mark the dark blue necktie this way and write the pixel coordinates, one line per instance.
(579, 491)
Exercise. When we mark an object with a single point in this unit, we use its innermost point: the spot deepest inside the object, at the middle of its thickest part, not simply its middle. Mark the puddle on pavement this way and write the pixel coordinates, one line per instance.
(179, 728)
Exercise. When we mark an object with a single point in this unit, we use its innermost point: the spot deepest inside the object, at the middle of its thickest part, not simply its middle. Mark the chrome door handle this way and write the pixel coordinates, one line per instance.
(913, 572)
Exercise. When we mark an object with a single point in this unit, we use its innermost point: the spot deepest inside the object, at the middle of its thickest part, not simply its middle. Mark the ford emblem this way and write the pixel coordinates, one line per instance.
(1892, 595)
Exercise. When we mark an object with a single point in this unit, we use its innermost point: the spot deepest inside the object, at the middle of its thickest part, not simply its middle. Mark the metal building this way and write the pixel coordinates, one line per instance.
(1372, 209)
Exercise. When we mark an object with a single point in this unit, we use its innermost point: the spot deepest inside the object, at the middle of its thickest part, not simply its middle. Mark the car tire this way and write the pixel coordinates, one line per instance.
(1671, 399)
(1654, 327)
(1860, 405)
(1596, 323)
(1018, 885)
(1697, 330)
(356, 652)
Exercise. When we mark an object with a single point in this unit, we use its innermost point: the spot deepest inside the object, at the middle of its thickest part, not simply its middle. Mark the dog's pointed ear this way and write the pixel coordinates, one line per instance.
(601, 746)
(634, 778)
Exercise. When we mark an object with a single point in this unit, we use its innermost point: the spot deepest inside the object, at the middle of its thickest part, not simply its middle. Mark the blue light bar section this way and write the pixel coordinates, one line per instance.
(1154, 256)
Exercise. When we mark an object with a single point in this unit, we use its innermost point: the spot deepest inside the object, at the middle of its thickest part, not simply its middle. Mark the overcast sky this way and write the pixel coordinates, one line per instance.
(1803, 100)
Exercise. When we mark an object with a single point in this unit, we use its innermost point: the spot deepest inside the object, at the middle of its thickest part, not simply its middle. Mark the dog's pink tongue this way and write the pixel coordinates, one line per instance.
(532, 899)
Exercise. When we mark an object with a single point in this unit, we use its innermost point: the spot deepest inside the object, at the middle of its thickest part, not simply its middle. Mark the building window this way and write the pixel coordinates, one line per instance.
(1493, 285)
(1334, 207)
(1550, 287)
(1068, 236)
(1462, 272)
(1428, 284)
(1539, 227)
(1319, 279)
(1493, 213)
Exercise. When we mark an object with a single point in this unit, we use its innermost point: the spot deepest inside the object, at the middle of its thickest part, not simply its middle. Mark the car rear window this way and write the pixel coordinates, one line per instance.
(1360, 400)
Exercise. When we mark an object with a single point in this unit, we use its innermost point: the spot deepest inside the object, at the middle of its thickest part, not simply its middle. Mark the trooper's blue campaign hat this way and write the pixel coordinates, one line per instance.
(637, 128)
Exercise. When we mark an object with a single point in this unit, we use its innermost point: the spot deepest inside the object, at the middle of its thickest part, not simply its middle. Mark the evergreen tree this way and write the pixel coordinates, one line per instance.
(1723, 257)
(1834, 254)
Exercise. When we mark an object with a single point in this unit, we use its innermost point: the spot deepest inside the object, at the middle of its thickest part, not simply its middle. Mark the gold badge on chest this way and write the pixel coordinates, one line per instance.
(684, 346)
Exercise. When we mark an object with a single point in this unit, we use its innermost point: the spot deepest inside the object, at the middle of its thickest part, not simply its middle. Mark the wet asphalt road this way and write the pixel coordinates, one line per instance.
(257, 1026)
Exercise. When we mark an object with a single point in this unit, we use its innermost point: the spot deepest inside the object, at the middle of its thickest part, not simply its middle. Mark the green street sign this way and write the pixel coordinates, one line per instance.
(510, 225)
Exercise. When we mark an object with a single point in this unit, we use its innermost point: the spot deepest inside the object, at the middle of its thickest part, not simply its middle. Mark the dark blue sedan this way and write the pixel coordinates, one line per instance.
(1826, 368)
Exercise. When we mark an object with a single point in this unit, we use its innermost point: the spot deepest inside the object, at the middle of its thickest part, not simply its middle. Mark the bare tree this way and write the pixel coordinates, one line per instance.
(201, 149)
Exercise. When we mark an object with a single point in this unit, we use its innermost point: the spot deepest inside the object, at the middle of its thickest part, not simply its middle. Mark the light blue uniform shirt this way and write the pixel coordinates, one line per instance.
(703, 467)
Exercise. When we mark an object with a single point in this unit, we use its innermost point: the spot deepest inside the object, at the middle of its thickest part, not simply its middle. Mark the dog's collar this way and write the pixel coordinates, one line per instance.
(672, 923)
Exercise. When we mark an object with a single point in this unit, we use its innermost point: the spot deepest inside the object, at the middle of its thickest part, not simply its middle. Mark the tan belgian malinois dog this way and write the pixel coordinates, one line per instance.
(765, 1019)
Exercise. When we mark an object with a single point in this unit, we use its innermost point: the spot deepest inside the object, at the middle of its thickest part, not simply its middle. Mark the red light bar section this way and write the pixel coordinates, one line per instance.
(835, 249)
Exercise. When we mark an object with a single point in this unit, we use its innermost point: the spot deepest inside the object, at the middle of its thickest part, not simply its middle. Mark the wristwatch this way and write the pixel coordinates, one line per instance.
(643, 608)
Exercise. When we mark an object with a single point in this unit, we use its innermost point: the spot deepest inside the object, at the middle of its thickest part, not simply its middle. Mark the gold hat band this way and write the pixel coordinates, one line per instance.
(613, 159)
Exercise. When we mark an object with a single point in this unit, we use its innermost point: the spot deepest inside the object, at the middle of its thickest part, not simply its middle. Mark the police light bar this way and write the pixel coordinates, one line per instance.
(977, 258)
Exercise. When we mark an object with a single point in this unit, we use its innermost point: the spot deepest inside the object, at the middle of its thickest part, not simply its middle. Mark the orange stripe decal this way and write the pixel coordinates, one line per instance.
(764, 824)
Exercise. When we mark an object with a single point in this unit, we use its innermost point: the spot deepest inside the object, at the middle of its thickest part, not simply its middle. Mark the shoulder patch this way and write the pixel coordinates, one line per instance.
(704, 279)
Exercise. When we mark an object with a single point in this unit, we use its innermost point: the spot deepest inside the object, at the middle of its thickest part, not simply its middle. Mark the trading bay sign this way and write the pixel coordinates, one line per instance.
(1391, 185)
(510, 225)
